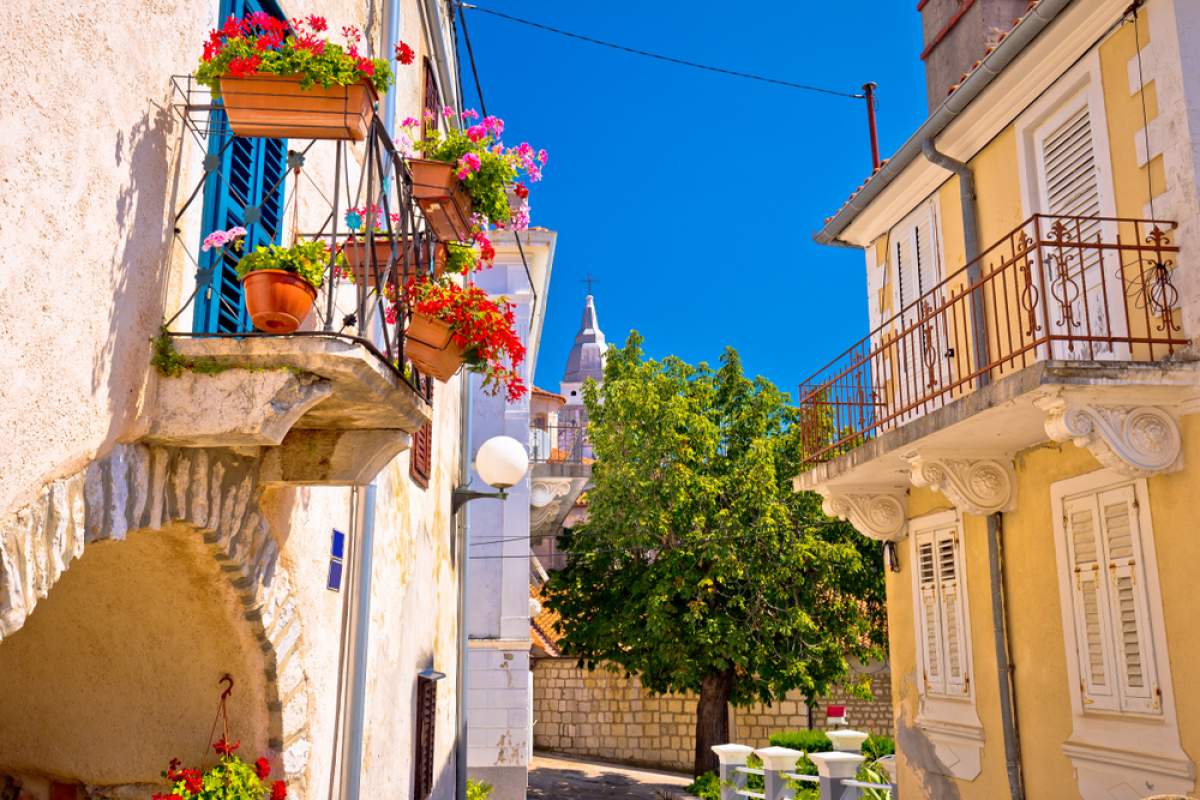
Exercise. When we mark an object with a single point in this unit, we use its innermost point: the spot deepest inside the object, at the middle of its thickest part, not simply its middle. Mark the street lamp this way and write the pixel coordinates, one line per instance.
(501, 462)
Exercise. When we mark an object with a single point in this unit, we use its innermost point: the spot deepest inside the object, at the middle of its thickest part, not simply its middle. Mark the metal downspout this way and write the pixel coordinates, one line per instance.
(1012, 742)
(352, 760)
(464, 551)
(970, 226)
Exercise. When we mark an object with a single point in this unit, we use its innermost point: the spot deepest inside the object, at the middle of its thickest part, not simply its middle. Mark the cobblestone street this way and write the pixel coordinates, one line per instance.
(555, 778)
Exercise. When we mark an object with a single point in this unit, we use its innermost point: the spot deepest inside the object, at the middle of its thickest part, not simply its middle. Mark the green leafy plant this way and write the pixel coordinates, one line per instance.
(874, 773)
(876, 747)
(705, 787)
(230, 779)
(461, 258)
(699, 568)
(260, 44)
(306, 259)
(478, 790)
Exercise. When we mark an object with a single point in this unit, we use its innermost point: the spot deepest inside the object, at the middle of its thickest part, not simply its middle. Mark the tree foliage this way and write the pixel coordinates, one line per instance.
(698, 561)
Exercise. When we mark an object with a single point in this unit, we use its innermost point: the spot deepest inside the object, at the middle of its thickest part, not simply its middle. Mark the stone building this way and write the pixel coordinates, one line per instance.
(275, 508)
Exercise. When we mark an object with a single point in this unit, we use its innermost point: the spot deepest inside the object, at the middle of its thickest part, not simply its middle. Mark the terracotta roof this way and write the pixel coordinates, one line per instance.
(543, 627)
(954, 88)
(551, 395)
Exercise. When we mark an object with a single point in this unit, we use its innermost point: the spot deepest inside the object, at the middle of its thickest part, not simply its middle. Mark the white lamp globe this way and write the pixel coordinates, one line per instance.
(501, 461)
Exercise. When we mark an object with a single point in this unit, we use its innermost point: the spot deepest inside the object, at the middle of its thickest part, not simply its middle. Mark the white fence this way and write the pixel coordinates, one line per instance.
(835, 778)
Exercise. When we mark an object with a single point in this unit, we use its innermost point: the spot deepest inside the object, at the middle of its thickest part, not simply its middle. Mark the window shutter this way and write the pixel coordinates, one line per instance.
(431, 103)
(1090, 601)
(1130, 616)
(929, 614)
(953, 624)
(420, 465)
(426, 719)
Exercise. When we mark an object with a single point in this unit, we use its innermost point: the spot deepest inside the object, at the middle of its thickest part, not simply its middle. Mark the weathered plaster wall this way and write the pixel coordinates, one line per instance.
(151, 611)
(607, 715)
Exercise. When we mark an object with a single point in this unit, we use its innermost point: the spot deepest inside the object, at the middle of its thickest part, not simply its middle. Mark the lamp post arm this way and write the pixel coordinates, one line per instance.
(463, 495)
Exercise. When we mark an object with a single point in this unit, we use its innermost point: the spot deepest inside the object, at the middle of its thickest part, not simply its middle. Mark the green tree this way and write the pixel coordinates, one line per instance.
(699, 568)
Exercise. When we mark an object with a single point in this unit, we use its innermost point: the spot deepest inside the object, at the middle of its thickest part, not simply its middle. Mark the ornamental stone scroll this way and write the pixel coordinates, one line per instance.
(878, 513)
(1135, 440)
(975, 485)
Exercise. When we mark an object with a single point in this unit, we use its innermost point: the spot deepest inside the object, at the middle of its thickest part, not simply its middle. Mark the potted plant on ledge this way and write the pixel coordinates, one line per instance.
(284, 82)
(363, 254)
(451, 326)
(462, 184)
(280, 283)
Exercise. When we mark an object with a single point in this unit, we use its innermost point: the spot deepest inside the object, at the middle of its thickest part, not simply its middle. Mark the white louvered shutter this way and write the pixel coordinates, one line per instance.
(1071, 187)
(929, 616)
(1136, 675)
(953, 625)
(1090, 603)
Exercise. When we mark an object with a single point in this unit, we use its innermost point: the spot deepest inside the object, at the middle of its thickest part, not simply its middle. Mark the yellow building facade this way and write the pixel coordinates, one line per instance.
(1019, 429)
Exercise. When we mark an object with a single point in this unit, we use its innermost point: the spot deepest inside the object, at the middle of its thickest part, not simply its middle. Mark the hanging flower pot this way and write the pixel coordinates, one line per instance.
(280, 284)
(249, 64)
(362, 261)
(429, 345)
(443, 199)
(279, 107)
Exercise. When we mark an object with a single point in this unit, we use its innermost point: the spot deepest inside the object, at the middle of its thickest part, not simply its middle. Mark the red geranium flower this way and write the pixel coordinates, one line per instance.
(263, 768)
(226, 748)
(366, 66)
(404, 53)
(193, 780)
(520, 190)
(279, 790)
(240, 67)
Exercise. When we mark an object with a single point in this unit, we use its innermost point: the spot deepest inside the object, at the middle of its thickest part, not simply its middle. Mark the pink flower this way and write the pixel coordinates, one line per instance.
(470, 113)
(494, 124)
(447, 112)
(520, 217)
(541, 157)
(409, 122)
(221, 238)
(467, 164)
(476, 132)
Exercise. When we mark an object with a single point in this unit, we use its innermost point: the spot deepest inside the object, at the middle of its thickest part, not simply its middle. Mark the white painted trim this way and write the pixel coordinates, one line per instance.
(951, 723)
(1107, 748)
(1078, 29)
(499, 644)
(1081, 84)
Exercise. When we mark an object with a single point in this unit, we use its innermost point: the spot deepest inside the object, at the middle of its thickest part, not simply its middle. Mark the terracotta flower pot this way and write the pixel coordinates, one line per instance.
(275, 106)
(443, 200)
(358, 260)
(277, 301)
(430, 347)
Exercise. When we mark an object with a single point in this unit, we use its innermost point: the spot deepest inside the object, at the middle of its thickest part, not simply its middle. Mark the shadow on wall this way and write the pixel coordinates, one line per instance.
(922, 758)
(140, 260)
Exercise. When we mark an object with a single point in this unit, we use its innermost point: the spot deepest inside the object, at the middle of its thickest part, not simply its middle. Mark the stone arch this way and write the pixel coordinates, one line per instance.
(140, 487)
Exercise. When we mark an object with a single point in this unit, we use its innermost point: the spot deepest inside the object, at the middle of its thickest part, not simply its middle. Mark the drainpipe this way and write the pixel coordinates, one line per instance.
(970, 226)
(464, 560)
(1008, 711)
(360, 603)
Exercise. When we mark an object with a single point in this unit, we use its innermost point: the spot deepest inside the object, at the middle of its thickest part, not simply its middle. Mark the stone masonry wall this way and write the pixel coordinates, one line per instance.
(608, 716)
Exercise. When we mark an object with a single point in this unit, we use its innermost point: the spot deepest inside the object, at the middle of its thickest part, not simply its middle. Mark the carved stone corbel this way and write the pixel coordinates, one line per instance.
(1135, 440)
(877, 512)
(975, 485)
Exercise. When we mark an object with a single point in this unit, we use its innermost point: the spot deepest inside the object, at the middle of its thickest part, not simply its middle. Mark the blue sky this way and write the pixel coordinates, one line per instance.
(692, 197)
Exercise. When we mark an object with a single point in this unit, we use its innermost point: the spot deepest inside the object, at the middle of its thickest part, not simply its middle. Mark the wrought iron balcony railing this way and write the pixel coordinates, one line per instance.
(1056, 287)
(301, 190)
(559, 444)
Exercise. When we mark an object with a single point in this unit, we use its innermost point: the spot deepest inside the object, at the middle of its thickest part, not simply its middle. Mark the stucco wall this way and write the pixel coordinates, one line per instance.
(92, 171)
(607, 715)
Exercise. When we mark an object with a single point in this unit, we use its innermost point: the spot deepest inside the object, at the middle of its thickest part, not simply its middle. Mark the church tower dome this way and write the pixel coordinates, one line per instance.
(587, 356)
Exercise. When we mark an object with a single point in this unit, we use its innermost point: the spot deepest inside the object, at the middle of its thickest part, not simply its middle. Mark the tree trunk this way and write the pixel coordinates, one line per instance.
(712, 720)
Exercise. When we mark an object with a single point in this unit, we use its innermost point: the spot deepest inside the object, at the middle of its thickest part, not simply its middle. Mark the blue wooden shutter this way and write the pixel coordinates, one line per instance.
(247, 190)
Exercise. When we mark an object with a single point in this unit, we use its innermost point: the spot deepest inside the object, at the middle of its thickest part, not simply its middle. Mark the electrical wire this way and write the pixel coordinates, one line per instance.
(660, 57)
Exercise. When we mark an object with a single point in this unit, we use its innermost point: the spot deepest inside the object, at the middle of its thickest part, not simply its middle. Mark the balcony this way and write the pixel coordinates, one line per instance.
(561, 460)
(337, 398)
(1057, 305)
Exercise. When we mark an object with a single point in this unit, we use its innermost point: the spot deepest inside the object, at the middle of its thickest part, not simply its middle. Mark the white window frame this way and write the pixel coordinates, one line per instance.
(950, 721)
(1108, 745)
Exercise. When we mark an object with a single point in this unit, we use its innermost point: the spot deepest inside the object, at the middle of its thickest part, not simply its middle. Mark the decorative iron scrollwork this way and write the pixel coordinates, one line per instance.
(1152, 289)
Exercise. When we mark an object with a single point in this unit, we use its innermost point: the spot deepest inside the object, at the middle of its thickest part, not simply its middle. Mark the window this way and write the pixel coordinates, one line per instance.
(420, 466)
(916, 255)
(1107, 572)
(431, 108)
(941, 619)
(246, 189)
(426, 718)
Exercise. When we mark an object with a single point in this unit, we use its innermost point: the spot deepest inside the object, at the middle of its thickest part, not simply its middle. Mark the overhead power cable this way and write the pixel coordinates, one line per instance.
(660, 57)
